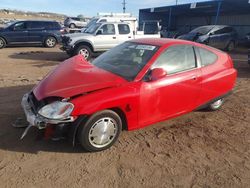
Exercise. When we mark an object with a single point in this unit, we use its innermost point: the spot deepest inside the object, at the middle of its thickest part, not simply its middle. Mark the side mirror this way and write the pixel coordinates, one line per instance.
(157, 74)
(99, 32)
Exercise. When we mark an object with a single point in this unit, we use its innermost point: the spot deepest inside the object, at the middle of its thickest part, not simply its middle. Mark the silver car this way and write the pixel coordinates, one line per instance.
(219, 36)
(74, 22)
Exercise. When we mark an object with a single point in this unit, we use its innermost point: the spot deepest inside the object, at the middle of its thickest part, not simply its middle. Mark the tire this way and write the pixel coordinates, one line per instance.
(216, 105)
(2, 43)
(94, 136)
(85, 51)
(72, 26)
(230, 46)
(50, 42)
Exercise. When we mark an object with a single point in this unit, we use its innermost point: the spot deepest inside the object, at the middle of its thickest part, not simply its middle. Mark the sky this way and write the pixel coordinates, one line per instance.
(86, 7)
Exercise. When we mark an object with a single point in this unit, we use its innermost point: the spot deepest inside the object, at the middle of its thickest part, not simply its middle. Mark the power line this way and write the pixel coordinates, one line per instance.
(124, 6)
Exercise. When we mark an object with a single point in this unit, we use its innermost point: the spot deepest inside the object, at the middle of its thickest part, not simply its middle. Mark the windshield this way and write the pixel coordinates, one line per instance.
(92, 29)
(126, 60)
(91, 22)
(202, 30)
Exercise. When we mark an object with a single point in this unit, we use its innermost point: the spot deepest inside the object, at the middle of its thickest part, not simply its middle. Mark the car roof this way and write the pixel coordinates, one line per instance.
(36, 21)
(162, 41)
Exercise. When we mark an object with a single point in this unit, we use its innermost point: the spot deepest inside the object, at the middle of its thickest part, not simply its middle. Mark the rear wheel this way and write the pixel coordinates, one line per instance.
(216, 105)
(50, 42)
(101, 131)
(85, 51)
(72, 26)
(2, 43)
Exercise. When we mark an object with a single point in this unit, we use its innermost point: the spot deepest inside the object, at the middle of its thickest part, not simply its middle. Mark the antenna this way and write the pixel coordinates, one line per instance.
(124, 6)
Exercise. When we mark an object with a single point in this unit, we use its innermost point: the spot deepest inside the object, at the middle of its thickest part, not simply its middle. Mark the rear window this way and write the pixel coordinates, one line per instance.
(76, 19)
(52, 25)
(207, 57)
(123, 29)
(36, 25)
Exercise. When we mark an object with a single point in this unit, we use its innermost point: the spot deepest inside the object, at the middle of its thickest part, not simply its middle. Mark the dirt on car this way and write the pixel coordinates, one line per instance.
(200, 149)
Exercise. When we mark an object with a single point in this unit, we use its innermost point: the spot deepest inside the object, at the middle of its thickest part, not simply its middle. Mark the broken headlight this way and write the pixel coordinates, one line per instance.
(57, 110)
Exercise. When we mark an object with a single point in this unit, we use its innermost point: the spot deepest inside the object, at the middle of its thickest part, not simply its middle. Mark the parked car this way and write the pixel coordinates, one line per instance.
(113, 17)
(47, 33)
(131, 86)
(218, 36)
(100, 37)
(73, 22)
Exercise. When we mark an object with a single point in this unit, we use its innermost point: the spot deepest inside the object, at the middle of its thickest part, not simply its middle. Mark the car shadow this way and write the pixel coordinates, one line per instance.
(10, 111)
(40, 55)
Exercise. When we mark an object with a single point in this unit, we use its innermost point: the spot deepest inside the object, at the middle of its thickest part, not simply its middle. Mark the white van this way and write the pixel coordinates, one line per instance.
(114, 17)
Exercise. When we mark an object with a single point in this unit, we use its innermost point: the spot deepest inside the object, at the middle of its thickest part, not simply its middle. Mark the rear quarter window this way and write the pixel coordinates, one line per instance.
(207, 57)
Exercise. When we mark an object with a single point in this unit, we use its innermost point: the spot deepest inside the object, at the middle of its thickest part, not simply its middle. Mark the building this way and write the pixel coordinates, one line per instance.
(185, 17)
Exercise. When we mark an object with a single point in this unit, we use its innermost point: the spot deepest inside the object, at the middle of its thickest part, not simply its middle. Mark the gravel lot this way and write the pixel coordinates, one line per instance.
(200, 149)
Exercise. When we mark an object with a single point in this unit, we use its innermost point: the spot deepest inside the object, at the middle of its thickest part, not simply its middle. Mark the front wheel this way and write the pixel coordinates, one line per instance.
(85, 51)
(2, 43)
(216, 105)
(101, 131)
(50, 42)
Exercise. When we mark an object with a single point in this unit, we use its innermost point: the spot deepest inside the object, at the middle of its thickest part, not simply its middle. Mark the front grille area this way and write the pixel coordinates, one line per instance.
(34, 103)
(65, 40)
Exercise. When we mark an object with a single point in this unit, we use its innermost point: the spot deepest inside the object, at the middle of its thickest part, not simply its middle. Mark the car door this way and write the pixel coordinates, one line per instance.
(18, 33)
(124, 33)
(176, 93)
(106, 37)
(35, 31)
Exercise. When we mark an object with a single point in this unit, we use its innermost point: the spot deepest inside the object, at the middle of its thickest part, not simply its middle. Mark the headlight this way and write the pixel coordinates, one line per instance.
(57, 110)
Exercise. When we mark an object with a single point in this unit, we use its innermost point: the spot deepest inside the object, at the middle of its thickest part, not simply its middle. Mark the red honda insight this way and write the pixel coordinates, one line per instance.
(136, 84)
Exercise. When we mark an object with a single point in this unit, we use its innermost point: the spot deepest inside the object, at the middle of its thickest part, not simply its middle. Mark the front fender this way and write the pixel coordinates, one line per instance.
(84, 41)
(126, 99)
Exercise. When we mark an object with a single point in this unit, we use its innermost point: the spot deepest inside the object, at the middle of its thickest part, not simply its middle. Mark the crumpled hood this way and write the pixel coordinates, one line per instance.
(73, 77)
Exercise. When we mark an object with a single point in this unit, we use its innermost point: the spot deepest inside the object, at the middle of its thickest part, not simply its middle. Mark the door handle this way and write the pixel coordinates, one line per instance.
(129, 37)
(114, 37)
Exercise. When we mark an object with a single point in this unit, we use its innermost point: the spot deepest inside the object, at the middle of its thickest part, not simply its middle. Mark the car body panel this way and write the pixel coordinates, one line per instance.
(73, 77)
(91, 89)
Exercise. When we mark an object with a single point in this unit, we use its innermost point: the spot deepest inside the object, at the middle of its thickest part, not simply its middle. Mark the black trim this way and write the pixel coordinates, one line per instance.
(217, 98)
(72, 135)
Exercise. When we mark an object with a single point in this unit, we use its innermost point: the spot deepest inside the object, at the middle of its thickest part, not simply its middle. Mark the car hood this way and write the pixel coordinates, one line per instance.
(78, 35)
(73, 77)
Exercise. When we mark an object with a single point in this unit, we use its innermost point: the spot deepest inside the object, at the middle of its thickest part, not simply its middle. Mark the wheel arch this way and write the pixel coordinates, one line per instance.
(123, 117)
(87, 43)
(50, 35)
(84, 118)
(6, 42)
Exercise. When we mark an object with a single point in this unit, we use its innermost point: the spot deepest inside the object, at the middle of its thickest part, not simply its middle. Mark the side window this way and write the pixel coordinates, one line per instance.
(102, 20)
(176, 59)
(36, 25)
(108, 29)
(20, 26)
(123, 29)
(207, 57)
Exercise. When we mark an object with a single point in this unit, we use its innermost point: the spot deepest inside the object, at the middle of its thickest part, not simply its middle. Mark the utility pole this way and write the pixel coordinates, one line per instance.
(124, 6)
(176, 2)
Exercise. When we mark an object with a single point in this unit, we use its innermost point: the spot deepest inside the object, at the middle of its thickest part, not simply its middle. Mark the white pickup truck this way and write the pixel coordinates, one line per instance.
(101, 37)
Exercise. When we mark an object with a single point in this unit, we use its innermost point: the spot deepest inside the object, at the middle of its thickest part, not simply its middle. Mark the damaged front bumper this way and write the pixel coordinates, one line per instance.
(36, 120)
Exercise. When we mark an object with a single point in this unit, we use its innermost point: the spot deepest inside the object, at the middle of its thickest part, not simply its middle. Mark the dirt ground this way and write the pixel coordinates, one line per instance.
(200, 149)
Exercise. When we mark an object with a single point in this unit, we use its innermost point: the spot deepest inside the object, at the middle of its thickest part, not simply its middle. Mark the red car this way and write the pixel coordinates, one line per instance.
(136, 84)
